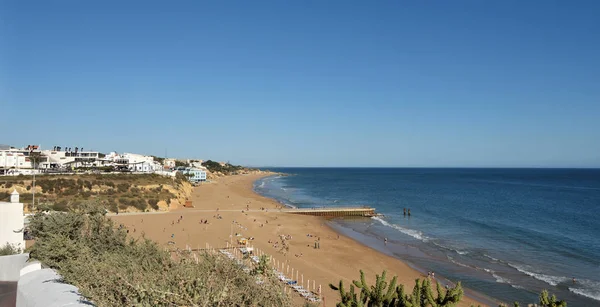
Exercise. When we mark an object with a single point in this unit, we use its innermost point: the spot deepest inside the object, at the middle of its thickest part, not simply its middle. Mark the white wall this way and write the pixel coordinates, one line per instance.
(14, 159)
(11, 220)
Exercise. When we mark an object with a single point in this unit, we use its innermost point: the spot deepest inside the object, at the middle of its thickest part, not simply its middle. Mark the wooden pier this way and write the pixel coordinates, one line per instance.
(334, 211)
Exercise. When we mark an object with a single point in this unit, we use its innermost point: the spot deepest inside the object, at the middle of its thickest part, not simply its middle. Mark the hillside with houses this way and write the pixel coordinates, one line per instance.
(64, 177)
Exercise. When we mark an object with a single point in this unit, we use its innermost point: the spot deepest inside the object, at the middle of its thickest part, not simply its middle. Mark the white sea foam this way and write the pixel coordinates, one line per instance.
(262, 185)
(589, 293)
(499, 279)
(495, 259)
(587, 288)
(458, 263)
(413, 233)
(549, 279)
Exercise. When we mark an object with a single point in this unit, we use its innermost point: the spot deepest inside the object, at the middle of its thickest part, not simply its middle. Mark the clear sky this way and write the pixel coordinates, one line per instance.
(307, 83)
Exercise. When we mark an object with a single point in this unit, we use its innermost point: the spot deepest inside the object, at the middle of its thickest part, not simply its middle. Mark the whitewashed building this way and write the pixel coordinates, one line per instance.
(12, 222)
(16, 158)
(194, 174)
(134, 162)
(56, 159)
(169, 163)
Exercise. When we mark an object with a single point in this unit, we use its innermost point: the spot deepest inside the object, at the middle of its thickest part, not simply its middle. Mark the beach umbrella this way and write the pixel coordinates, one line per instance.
(296, 275)
(293, 272)
(313, 285)
(288, 269)
(303, 280)
(319, 290)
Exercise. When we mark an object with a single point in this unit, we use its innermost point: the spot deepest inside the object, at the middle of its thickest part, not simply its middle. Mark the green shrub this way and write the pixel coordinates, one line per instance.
(139, 203)
(153, 202)
(123, 187)
(111, 204)
(110, 270)
(9, 249)
(62, 205)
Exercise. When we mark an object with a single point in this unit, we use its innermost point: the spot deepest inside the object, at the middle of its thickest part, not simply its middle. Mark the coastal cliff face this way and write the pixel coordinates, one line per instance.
(115, 192)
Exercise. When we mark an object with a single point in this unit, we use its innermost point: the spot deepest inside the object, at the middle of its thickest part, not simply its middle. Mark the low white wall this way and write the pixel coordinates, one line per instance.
(38, 287)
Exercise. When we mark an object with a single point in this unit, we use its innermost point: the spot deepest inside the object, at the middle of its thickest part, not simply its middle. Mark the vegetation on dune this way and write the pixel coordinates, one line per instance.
(60, 193)
(226, 169)
(390, 294)
(112, 270)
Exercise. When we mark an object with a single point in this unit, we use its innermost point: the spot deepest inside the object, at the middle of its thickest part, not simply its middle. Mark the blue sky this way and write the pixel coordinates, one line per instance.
(307, 83)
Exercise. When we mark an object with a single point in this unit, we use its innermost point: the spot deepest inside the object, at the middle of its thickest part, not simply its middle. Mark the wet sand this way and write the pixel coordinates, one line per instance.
(338, 257)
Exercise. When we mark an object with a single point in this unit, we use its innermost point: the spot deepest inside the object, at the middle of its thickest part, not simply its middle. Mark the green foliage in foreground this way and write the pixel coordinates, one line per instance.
(384, 294)
(9, 249)
(111, 270)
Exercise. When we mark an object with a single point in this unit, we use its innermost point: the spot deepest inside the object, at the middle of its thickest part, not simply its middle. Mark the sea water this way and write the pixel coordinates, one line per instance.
(506, 233)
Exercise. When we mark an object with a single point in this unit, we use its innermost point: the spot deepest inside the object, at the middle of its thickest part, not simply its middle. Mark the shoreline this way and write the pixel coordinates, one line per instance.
(224, 204)
(481, 298)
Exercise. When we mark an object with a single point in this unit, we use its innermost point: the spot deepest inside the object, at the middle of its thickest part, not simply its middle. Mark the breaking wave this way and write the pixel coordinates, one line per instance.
(549, 279)
(587, 288)
(413, 233)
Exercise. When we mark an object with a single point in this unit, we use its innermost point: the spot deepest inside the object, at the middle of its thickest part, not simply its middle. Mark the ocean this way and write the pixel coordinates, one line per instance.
(505, 233)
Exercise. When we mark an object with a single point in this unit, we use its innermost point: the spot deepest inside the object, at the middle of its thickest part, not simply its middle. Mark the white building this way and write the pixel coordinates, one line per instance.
(57, 159)
(15, 158)
(12, 222)
(196, 164)
(195, 175)
(170, 163)
(134, 162)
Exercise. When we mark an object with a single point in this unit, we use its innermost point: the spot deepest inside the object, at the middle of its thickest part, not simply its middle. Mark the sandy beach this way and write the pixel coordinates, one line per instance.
(337, 258)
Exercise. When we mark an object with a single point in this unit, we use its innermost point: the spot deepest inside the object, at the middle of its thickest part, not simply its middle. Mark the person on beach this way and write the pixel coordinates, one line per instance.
(385, 241)
(409, 212)
(404, 211)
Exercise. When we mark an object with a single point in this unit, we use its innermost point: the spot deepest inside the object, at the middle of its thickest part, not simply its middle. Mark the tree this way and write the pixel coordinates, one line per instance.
(35, 157)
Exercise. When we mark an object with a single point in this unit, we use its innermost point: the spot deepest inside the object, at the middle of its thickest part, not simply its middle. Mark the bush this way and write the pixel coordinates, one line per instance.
(153, 202)
(123, 187)
(9, 249)
(8, 185)
(89, 252)
(139, 203)
(111, 204)
(62, 205)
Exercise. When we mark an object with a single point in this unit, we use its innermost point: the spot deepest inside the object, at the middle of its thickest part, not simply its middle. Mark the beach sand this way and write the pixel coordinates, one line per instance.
(338, 258)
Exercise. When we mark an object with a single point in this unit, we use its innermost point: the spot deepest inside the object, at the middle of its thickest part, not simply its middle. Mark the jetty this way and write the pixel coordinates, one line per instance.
(334, 211)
